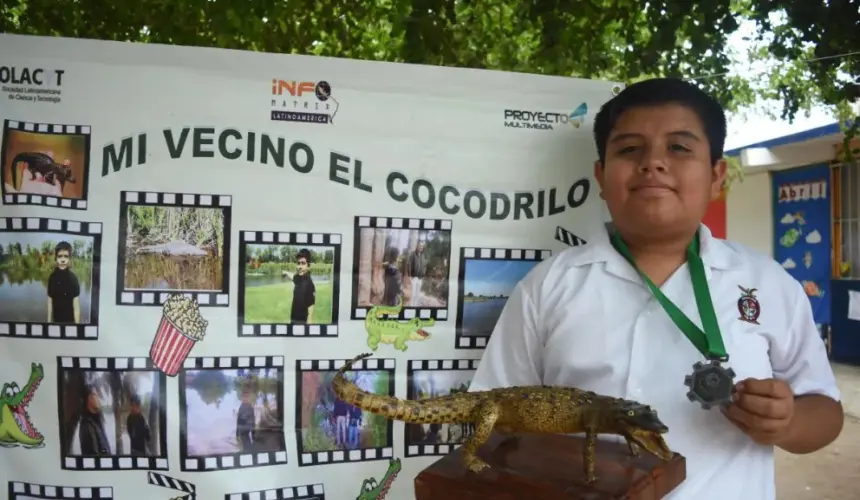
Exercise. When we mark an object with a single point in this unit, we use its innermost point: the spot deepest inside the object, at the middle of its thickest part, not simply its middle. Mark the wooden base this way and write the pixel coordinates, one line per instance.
(549, 467)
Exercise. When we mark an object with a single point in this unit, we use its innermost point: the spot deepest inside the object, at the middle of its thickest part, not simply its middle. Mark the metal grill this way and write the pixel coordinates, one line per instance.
(846, 220)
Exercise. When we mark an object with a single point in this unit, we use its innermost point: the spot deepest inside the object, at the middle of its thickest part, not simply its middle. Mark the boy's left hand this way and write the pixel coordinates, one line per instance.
(762, 409)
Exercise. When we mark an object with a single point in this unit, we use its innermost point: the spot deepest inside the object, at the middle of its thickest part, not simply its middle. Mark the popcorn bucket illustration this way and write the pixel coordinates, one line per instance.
(180, 328)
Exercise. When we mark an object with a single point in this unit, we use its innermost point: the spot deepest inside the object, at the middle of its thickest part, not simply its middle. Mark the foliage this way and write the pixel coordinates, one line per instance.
(618, 40)
(201, 227)
(20, 264)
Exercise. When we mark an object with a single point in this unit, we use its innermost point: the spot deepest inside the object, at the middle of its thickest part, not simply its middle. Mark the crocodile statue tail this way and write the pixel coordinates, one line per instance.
(456, 408)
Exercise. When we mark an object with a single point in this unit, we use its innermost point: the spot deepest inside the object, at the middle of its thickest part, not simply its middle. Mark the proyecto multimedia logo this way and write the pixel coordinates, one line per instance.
(544, 120)
(303, 101)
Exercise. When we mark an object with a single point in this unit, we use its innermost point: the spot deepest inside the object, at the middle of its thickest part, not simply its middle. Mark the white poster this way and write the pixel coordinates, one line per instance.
(192, 240)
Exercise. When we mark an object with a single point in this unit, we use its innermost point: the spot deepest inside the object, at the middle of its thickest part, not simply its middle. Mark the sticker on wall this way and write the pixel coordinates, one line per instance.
(812, 289)
(112, 414)
(402, 259)
(568, 238)
(289, 283)
(49, 278)
(791, 218)
(232, 413)
(331, 431)
(308, 492)
(433, 378)
(371, 489)
(173, 243)
(487, 278)
(45, 164)
(790, 237)
(189, 489)
(31, 491)
(16, 426)
(180, 328)
(789, 263)
(814, 237)
(807, 259)
(391, 331)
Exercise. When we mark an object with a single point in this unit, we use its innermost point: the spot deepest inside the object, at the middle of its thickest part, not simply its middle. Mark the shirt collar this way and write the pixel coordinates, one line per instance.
(716, 253)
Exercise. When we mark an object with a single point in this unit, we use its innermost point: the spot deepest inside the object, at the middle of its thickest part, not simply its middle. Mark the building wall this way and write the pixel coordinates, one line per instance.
(749, 212)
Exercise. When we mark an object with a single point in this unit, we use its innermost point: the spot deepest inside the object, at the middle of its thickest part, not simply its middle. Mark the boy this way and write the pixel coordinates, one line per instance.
(64, 289)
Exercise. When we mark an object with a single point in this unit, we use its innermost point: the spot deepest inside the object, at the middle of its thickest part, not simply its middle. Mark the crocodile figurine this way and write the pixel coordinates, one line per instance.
(373, 490)
(390, 331)
(16, 429)
(535, 409)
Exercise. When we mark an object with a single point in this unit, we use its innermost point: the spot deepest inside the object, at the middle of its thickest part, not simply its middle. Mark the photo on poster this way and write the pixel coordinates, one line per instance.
(173, 243)
(49, 278)
(289, 283)
(31, 491)
(17, 426)
(112, 414)
(486, 279)
(184, 489)
(433, 378)
(45, 164)
(232, 413)
(307, 492)
(331, 431)
(402, 263)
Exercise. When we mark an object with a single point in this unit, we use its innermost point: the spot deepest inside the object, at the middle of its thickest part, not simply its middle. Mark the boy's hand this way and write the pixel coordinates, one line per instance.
(762, 409)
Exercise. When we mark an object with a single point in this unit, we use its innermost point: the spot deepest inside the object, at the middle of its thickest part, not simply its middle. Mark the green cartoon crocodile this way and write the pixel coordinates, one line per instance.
(387, 331)
(16, 429)
(371, 490)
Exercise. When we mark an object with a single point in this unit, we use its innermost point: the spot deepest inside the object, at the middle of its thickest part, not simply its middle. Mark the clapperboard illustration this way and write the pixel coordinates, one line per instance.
(189, 491)
(568, 238)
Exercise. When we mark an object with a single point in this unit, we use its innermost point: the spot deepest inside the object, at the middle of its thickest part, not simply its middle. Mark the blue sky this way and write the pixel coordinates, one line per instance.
(493, 277)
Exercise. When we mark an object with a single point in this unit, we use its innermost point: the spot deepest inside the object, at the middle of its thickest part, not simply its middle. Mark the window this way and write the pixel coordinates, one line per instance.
(845, 208)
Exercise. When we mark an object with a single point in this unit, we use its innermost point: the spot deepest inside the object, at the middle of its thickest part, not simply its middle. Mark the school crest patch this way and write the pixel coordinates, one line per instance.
(748, 305)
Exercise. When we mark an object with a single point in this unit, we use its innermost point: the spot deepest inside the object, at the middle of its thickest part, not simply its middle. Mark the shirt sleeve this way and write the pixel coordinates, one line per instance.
(74, 285)
(801, 358)
(311, 294)
(513, 355)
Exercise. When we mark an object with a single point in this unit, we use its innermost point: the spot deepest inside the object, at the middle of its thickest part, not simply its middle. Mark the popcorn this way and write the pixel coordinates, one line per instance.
(181, 327)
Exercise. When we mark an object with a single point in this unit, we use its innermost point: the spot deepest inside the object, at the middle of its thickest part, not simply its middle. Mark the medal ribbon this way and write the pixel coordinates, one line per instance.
(709, 342)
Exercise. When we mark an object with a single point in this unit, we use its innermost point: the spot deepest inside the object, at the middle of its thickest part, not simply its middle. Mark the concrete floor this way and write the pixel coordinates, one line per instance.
(834, 472)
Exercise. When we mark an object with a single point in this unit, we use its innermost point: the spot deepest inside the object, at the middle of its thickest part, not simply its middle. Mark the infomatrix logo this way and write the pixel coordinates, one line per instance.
(544, 120)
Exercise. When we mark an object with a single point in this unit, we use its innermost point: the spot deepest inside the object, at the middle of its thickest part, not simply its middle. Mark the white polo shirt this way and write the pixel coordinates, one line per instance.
(584, 318)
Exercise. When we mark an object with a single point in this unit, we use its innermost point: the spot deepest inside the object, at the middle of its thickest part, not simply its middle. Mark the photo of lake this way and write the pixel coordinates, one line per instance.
(486, 288)
(27, 260)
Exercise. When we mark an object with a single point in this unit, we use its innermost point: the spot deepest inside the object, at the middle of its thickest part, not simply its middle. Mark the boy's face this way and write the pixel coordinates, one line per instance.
(63, 259)
(302, 266)
(135, 409)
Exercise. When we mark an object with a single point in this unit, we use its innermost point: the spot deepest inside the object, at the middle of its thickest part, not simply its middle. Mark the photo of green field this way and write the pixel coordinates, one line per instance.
(174, 248)
(269, 272)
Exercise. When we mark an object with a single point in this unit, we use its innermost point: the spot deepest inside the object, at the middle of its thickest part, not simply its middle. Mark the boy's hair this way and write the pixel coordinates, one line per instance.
(304, 253)
(662, 91)
(391, 255)
(63, 245)
(134, 400)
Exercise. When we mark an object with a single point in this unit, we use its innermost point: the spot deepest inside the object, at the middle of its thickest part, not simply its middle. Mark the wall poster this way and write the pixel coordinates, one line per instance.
(193, 240)
(802, 232)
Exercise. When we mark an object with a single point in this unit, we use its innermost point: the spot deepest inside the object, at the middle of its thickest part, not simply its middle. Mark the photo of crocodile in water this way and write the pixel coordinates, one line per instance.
(16, 427)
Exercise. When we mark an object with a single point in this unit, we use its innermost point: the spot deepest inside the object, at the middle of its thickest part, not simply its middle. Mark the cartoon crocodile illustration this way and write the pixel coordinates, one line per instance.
(373, 490)
(16, 429)
(388, 331)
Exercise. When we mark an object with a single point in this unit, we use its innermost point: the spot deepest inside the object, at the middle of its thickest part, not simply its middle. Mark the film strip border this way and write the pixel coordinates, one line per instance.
(481, 253)
(568, 238)
(294, 239)
(231, 460)
(20, 490)
(47, 200)
(126, 297)
(308, 458)
(417, 365)
(57, 331)
(119, 462)
(165, 481)
(363, 222)
(308, 492)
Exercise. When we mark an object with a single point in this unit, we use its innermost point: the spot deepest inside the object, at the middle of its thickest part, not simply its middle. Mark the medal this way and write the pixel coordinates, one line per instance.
(711, 384)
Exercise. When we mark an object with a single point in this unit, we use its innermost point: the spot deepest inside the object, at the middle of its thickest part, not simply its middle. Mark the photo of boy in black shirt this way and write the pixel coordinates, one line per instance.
(64, 289)
(138, 431)
(304, 291)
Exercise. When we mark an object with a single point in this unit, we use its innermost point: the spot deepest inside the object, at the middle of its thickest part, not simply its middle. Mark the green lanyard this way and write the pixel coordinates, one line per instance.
(709, 342)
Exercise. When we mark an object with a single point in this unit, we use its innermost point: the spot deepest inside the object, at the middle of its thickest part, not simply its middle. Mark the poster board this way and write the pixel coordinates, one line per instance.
(802, 232)
(193, 239)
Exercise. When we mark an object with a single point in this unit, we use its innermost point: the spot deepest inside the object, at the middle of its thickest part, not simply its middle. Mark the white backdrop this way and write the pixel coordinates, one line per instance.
(220, 221)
